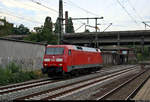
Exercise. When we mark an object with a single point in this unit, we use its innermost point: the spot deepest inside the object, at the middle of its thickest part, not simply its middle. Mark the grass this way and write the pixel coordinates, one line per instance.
(12, 73)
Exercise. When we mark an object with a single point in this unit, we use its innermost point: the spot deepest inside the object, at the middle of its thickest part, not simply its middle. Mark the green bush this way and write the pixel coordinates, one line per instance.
(13, 67)
(139, 57)
(13, 74)
(143, 56)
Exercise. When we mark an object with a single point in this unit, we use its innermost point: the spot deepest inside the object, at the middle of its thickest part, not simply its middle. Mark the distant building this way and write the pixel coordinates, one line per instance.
(118, 55)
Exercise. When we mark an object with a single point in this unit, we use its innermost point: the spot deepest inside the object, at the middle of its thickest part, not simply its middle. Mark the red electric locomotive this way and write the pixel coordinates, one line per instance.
(70, 59)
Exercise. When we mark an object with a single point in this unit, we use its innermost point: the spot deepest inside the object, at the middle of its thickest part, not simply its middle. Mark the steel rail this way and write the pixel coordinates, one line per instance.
(27, 82)
(82, 86)
(47, 91)
(24, 83)
(25, 87)
(120, 86)
(137, 89)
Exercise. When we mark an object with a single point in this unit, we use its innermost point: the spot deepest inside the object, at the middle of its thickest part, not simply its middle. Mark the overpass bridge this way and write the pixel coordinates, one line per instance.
(109, 38)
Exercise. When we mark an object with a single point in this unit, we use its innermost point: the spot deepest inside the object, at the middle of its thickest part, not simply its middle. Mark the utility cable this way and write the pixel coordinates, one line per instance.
(133, 8)
(19, 17)
(31, 6)
(9, 12)
(126, 11)
(83, 9)
(79, 27)
(38, 3)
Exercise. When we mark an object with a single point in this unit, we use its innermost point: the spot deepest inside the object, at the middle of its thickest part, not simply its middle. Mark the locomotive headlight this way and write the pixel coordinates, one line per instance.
(59, 60)
(46, 59)
(60, 64)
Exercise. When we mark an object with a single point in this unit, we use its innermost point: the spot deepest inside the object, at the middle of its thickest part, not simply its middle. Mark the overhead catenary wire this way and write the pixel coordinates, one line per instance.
(28, 19)
(82, 24)
(38, 3)
(126, 11)
(147, 21)
(19, 17)
(80, 27)
(29, 5)
(83, 9)
(133, 8)
(10, 13)
(24, 18)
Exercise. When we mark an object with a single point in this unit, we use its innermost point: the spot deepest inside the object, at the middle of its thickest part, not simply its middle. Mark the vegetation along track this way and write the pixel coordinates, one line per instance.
(57, 92)
(126, 89)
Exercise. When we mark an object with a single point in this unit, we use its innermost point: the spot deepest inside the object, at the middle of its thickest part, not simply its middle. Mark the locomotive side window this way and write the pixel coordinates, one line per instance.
(69, 52)
(54, 51)
(78, 47)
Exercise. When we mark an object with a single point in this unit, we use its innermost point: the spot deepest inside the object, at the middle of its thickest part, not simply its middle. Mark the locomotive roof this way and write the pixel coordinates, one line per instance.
(89, 49)
(68, 46)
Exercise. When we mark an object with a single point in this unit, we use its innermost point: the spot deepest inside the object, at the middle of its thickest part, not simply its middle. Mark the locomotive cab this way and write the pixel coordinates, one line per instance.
(54, 60)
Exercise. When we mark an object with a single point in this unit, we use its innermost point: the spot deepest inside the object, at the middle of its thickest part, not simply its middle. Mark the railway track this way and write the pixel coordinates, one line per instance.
(62, 91)
(23, 83)
(127, 89)
(38, 89)
(5, 91)
(86, 92)
(25, 86)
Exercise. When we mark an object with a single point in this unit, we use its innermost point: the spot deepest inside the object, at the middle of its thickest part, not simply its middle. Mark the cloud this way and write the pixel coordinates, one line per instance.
(24, 4)
(109, 9)
(34, 14)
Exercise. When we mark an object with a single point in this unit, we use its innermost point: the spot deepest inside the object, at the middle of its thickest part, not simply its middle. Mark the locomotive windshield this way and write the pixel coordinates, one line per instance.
(54, 51)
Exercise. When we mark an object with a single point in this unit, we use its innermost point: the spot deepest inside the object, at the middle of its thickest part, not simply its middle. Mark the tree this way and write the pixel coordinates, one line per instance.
(48, 24)
(69, 26)
(57, 27)
(47, 32)
(6, 28)
(21, 30)
(44, 33)
(32, 37)
(38, 29)
(87, 31)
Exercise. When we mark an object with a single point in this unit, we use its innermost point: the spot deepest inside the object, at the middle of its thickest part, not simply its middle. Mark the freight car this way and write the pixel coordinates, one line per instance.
(70, 60)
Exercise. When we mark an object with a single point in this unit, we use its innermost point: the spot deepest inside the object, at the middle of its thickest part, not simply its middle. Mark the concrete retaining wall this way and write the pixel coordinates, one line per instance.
(28, 55)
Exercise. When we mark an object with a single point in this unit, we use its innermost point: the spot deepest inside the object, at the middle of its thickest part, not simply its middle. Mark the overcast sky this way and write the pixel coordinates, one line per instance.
(123, 14)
